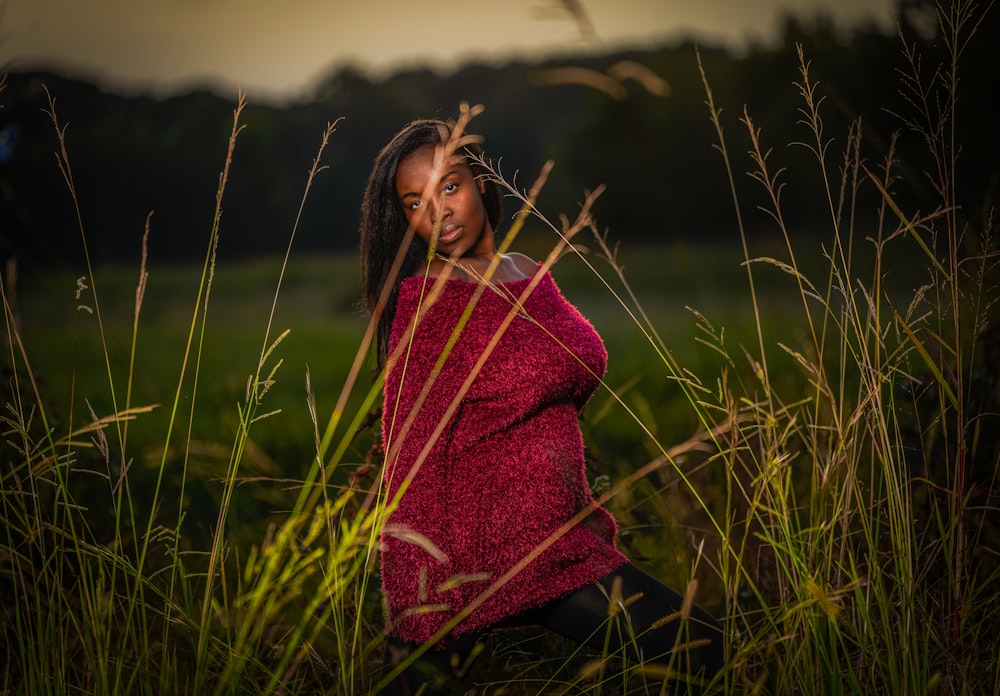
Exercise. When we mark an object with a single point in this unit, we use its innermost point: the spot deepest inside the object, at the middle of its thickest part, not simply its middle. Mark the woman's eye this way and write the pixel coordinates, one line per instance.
(415, 204)
(450, 188)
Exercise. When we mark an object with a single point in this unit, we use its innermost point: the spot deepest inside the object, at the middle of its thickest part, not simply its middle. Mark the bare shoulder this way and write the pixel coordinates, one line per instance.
(525, 264)
(439, 267)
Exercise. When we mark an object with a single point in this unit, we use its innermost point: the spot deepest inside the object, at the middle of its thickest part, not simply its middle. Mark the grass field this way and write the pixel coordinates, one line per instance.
(189, 504)
(318, 305)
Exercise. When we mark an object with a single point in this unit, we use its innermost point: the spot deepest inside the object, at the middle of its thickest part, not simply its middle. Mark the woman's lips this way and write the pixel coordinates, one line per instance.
(449, 233)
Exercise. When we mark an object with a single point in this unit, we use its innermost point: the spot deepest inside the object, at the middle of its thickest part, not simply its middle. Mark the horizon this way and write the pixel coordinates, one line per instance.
(282, 55)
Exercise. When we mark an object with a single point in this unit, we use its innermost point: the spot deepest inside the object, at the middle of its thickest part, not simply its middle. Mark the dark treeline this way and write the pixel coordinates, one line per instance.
(131, 154)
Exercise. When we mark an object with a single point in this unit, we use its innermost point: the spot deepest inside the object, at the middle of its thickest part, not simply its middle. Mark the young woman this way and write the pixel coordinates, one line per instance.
(491, 520)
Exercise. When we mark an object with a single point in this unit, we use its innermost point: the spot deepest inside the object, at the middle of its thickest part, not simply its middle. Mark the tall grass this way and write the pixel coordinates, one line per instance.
(126, 605)
(849, 550)
(842, 473)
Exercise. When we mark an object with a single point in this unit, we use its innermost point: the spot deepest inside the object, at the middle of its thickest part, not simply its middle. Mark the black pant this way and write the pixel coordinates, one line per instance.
(648, 628)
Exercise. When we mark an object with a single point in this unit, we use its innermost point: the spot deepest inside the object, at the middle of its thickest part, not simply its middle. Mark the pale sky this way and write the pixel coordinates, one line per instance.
(280, 48)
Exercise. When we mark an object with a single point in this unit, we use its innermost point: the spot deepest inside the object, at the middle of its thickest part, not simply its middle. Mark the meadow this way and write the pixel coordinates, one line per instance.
(319, 307)
(798, 429)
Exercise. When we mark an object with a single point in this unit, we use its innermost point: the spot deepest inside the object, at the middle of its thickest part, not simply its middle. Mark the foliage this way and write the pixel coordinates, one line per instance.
(861, 511)
(135, 153)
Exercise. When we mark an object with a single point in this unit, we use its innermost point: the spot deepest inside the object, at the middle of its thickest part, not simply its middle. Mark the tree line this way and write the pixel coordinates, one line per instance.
(650, 143)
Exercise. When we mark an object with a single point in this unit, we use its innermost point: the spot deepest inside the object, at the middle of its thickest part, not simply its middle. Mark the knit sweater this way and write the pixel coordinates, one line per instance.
(506, 472)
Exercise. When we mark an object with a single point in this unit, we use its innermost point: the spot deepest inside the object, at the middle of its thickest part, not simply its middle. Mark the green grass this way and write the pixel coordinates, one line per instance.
(318, 304)
(319, 308)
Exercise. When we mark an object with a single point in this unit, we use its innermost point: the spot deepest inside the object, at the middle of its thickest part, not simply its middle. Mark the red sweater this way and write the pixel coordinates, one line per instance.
(506, 471)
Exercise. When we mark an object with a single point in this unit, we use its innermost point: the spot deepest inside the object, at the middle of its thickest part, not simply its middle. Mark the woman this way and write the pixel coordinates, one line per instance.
(491, 521)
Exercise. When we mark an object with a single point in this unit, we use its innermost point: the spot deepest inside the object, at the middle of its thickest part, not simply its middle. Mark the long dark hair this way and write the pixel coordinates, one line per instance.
(383, 224)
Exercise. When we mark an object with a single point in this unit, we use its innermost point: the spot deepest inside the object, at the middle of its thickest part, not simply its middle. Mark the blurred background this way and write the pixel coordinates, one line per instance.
(147, 94)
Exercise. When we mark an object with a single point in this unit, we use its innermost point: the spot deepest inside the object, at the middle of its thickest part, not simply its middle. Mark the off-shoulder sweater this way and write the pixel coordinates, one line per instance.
(489, 446)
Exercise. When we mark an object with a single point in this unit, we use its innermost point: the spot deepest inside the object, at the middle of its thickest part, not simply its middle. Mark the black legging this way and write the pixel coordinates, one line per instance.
(650, 631)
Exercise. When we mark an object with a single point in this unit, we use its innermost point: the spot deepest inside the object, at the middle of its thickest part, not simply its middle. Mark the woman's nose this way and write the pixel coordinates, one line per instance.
(438, 209)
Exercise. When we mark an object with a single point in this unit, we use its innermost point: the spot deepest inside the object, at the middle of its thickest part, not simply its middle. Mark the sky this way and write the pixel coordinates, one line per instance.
(276, 50)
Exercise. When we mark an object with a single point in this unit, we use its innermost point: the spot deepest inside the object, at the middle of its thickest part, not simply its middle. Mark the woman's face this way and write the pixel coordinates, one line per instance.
(450, 193)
